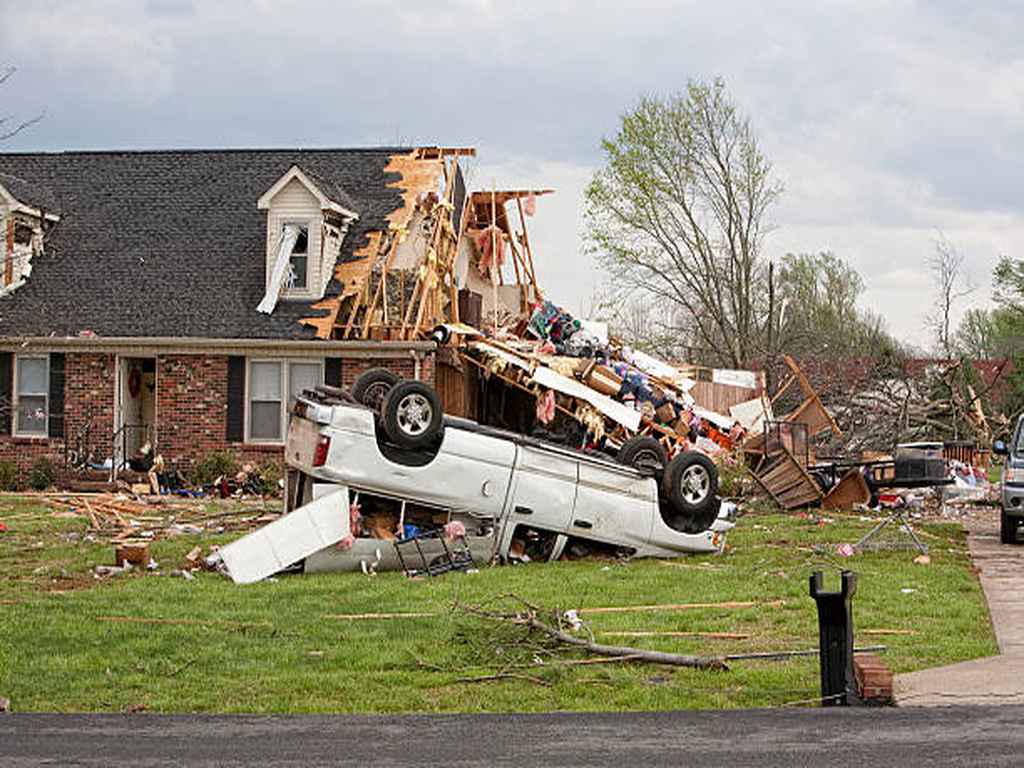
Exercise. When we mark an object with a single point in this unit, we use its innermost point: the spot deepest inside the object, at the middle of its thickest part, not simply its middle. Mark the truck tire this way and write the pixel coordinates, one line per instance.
(412, 415)
(691, 487)
(1007, 528)
(373, 386)
(644, 454)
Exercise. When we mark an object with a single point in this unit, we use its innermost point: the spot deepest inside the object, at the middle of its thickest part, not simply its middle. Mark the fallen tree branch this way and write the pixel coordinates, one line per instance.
(654, 657)
(502, 676)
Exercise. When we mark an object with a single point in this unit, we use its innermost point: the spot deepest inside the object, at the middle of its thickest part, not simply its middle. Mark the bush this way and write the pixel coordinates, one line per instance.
(213, 465)
(269, 475)
(8, 476)
(41, 475)
(733, 480)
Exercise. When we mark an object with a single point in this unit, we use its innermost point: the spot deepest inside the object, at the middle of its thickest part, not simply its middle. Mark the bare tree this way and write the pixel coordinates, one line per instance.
(678, 214)
(946, 265)
(9, 125)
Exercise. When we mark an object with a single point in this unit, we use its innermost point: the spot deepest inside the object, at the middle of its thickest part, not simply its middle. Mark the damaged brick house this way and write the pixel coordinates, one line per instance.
(183, 298)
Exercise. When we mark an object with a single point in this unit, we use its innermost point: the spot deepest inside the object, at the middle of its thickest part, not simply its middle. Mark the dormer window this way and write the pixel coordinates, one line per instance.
(307, 218)
(298, 277)
(22, 226)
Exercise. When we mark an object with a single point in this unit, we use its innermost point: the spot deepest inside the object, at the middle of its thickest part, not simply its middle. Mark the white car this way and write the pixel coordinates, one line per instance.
(408, 470)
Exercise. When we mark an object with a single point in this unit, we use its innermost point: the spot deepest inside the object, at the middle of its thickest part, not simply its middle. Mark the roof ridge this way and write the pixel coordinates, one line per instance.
(207, 150)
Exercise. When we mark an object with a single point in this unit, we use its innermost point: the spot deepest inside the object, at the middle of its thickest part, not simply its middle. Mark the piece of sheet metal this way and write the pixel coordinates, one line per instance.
(284, 542)
(613, 409)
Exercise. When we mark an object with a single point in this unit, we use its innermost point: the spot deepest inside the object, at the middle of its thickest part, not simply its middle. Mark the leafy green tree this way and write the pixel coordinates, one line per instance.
(678, 215)
(817, 310)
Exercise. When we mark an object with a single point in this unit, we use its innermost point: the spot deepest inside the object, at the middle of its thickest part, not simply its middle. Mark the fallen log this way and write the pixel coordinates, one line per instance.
(653, 657)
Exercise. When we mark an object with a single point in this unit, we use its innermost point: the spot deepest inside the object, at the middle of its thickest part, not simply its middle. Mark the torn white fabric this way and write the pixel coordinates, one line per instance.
(282, 265)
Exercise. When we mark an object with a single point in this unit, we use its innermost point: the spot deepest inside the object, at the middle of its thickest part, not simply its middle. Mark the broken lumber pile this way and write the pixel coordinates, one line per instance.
(118, 517)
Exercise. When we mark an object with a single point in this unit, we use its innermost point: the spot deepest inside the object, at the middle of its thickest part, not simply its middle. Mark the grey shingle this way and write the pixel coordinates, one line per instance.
(171, 243)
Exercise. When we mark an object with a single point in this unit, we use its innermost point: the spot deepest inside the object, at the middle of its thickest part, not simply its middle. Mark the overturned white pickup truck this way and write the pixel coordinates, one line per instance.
(361, 478)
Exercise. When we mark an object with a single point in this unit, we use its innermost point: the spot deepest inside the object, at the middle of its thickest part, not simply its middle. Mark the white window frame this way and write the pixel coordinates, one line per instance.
(285, 363)
(17, 397)
(307, 291)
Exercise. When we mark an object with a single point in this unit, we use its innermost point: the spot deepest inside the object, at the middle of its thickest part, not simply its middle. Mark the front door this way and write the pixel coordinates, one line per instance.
(135, 426)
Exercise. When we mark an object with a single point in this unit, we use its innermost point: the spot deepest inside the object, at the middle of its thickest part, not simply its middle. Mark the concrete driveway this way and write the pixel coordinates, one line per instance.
(996, 679)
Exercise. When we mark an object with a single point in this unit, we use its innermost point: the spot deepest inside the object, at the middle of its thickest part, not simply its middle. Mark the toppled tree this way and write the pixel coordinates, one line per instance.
(679, 212)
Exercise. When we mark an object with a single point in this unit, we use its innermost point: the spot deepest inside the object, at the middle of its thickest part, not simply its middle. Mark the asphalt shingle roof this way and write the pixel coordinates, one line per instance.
(171, 243)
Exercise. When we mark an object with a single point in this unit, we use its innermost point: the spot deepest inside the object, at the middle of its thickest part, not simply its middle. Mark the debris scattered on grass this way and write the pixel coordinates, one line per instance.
(5, 704)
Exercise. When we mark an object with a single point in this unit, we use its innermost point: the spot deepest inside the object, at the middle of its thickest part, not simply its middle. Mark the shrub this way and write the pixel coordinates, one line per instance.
(8, 476)
(213, 465)
(41, 475)
(269, 476)
(733, 479)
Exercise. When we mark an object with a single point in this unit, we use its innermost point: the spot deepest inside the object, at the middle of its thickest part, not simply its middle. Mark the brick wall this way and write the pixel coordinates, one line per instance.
(88, 396)
(191, 409)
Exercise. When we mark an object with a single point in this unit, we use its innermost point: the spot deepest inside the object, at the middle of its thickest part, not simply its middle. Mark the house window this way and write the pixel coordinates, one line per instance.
(274, 386)
(31, 395)
(299, 278)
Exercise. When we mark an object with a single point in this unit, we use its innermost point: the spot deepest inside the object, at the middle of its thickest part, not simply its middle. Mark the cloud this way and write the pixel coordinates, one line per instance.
(888, 120)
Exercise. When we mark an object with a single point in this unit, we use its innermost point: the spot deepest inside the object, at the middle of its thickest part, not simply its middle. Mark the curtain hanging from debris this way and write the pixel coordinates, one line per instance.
(285, 245)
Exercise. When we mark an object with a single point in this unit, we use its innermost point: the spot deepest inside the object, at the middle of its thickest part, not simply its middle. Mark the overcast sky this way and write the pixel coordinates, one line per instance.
(888, 122)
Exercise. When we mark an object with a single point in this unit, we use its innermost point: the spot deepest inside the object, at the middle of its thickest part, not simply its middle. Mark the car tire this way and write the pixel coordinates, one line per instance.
(1007, 528)
(691, 487)
(645, 454)
(412, 415)
(372, 387)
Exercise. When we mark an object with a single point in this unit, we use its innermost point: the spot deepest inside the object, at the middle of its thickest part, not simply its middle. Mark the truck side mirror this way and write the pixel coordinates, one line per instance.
(999, 447)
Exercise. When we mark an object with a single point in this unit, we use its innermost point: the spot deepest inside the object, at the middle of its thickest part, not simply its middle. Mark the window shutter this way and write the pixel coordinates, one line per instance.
(6, 391)
(56, 420)
(235, 432)
(332, 371)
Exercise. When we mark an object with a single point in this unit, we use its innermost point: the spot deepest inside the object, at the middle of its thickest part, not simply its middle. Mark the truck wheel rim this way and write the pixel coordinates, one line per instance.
(694, 484)
(375, 394)
(648, 461)
(414, 414)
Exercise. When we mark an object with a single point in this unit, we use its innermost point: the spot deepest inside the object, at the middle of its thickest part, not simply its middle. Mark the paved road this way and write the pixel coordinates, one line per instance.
(954, 736)
(996, 679)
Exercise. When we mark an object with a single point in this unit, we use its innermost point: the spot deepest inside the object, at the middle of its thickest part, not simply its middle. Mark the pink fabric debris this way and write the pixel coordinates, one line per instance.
(455, 530)
(845, 550)
(546, 407)
(547, 348)
(530, 205)
(486, 239)
(355, 519)
(346, 543)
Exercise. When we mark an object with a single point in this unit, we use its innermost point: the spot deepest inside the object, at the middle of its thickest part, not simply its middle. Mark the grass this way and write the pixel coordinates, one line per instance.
(269, 647)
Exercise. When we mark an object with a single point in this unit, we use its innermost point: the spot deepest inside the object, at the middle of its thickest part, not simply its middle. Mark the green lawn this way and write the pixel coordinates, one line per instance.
(271, 648)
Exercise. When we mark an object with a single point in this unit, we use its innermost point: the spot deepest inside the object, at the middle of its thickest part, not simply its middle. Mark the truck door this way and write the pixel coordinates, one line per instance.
(543, 492)
(613, 506)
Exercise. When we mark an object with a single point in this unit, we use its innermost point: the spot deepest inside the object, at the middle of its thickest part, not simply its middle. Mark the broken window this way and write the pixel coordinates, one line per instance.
(273, 385)
(31, 396)
(23, 234)
(300, 260)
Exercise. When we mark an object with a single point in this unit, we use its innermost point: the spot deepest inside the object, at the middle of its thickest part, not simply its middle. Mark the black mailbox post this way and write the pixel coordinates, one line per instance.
(835, 637)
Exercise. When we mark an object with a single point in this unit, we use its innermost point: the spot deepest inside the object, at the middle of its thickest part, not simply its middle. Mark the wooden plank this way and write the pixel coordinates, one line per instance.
(850, 490)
